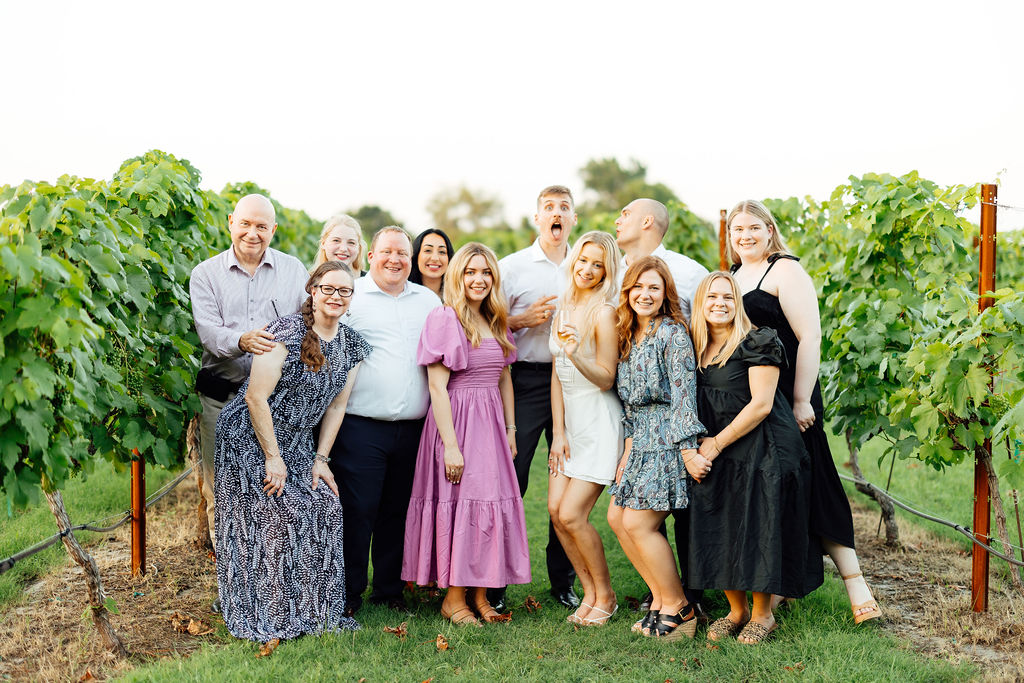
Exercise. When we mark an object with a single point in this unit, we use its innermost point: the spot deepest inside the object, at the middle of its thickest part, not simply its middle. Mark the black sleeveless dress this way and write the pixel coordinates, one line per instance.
(750, 517)
(830, 510)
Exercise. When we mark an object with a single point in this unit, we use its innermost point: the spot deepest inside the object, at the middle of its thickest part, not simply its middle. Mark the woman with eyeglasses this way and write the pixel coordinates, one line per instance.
(280, 567)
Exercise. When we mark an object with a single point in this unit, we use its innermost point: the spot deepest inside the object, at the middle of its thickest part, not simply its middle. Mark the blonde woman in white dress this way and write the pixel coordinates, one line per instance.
(586, 415)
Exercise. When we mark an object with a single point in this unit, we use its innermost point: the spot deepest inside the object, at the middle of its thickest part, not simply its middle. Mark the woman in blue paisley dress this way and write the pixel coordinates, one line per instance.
(280, 567)
(657, 385)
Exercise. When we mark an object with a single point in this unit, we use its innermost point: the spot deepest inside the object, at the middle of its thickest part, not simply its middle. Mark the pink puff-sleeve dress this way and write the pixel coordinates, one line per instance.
(472, 533)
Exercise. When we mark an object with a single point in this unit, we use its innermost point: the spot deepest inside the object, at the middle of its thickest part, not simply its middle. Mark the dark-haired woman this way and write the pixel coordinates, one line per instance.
(430, 253)
(280, 568)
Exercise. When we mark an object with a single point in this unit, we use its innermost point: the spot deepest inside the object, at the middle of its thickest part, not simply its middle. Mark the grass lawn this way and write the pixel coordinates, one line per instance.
(817, 639)
(103, 493)
(947, 495)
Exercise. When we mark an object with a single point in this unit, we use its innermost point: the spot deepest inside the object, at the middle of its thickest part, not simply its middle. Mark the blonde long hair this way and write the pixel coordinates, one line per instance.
(741, 324)
(493, 308)
(776, 244)
(336, 221)
(606, 292)
(628, 325)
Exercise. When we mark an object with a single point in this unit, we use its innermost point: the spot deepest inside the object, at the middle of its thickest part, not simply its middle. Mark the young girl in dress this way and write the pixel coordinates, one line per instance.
(465, 528)
(586, 416)
(657, 386)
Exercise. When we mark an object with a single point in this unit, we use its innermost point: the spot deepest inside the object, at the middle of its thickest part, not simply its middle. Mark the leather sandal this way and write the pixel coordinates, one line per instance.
(674, 626)
(600, 621)
(463, 616)
(873, 611)
(723, 628)
(645, 622)
(486, 612)
(755, 633)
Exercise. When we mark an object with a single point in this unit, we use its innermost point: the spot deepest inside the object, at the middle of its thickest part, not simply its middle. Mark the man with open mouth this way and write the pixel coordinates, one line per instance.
(531, 279)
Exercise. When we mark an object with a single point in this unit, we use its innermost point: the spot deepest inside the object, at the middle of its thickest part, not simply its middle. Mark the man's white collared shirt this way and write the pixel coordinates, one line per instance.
(528, 275)
(390, 384)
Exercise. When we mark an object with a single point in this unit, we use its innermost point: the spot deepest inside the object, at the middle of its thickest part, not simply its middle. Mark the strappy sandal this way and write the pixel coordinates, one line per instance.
(723, 628)
(463, 616)
(674, 626)
(576, 619)
(873, 610)
(645, 622)
(487, 613)
(600, 621)
(755, 633)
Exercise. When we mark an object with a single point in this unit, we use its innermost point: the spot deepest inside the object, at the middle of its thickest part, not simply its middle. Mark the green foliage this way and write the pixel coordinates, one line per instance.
(97, 349)
(372, 218)
(612, 186)
(906, 356)
(460, 210)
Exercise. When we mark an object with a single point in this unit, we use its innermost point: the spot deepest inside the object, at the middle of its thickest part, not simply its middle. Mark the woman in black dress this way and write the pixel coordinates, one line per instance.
(778, 293)
(749, 517)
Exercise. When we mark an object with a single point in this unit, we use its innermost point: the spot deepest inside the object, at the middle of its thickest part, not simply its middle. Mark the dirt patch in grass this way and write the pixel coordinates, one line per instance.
(45, 637)
(923, 589)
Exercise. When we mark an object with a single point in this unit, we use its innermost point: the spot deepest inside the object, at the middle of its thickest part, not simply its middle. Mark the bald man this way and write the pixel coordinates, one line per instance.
(640, 230)
(234, 295)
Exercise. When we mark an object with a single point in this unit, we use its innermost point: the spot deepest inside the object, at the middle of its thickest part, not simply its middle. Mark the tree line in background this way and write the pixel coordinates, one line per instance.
(98, 354)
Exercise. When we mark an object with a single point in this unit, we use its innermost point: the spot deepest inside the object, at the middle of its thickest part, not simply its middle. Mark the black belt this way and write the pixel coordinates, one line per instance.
(527, 365)
(217, 388)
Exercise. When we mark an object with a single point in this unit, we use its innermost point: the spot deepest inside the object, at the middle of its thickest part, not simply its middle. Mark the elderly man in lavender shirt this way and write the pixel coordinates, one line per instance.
(234, 295)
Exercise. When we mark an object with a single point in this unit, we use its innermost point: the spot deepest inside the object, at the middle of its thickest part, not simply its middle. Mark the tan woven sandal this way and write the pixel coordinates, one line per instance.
(873, 611)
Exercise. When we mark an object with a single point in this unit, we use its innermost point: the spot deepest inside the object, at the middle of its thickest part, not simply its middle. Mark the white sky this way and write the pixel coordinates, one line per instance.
(334, 106)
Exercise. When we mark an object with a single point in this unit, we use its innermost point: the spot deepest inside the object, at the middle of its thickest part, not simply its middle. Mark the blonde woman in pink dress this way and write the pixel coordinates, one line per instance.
(465, 528)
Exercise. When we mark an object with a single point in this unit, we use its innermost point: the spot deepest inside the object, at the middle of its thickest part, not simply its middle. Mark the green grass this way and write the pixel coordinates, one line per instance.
(102, 493)
(817, 639)
(947, 495)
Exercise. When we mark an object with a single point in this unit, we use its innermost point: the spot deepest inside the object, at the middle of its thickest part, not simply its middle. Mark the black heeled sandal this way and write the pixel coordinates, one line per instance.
(646, 622)
(675, 626)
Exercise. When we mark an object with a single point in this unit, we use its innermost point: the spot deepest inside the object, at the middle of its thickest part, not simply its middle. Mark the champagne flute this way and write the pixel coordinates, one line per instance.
(562, 332)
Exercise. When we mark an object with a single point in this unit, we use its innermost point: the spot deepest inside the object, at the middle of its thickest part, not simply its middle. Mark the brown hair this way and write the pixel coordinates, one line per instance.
(556, 190)
(628, 325)
(493, 309)
(741, 324)
(776, 245)
(310, 353)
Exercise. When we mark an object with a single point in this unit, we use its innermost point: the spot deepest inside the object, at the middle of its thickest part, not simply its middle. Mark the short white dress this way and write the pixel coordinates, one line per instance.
(593, 423)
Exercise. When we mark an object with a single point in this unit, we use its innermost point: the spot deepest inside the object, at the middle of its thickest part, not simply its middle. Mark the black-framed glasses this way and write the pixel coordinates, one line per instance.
(330, 290)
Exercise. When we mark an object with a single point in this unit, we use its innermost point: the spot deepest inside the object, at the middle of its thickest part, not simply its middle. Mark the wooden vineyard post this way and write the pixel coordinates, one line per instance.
(982, 496)
(138, 514)
(722, 264)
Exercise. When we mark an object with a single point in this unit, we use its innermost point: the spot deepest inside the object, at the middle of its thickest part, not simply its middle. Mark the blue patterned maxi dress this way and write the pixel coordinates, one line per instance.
(658, 387)
(280, 566)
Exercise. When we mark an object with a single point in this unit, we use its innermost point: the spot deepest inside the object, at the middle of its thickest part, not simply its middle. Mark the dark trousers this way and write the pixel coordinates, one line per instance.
(373, 462)
(531, 383)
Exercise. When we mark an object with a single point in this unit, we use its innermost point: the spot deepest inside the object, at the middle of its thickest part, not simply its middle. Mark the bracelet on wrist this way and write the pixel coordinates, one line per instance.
(320, 457)
(510, 428)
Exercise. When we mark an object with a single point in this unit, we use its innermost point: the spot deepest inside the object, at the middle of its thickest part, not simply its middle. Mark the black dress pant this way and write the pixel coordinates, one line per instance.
(531, 383)
(373, 462)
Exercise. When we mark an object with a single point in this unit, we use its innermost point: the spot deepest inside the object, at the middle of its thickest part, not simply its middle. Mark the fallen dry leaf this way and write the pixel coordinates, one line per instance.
(441, 643)
(429, 680)
(87, 676)
(531, 604)
(267, 648)
(178, 623)
(402, 630)
(198, 627)
(501, 618)
(799, 666)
